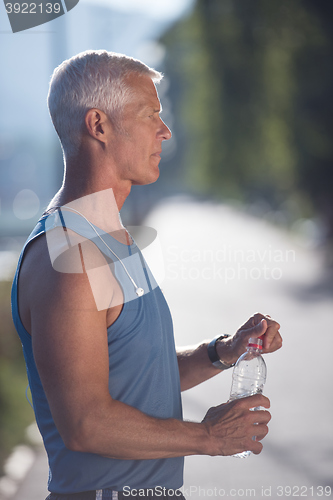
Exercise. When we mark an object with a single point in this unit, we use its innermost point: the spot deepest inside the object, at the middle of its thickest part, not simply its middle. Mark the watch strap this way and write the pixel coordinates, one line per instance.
(213, 356)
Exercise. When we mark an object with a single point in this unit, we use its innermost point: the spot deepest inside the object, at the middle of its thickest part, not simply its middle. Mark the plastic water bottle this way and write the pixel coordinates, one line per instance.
(249, 376)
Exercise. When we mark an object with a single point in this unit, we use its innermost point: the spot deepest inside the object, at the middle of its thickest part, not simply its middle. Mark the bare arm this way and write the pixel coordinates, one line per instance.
(70, 346)
(195, 366)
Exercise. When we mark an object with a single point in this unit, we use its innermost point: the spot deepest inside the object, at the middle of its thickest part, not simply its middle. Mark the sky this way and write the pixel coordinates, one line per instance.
(29, 149)
(159, 9)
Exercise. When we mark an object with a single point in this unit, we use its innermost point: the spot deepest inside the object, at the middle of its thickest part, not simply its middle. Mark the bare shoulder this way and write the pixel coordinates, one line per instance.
(71, 280)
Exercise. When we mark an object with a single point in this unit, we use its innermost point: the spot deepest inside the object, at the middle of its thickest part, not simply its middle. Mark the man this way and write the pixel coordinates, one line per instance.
(95, 328)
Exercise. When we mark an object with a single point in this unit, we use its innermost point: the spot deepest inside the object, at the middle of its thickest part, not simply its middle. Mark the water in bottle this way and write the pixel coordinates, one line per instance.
(249, 376)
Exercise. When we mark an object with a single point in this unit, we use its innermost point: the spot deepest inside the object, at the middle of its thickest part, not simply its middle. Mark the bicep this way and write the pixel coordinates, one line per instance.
(70, 347)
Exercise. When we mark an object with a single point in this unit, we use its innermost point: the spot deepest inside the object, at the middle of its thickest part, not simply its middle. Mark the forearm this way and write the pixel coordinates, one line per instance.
(195, 366)
(122, 432)
(119, 431)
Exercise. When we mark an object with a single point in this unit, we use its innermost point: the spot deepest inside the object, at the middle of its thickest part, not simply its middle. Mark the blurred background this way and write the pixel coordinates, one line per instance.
(247, 94)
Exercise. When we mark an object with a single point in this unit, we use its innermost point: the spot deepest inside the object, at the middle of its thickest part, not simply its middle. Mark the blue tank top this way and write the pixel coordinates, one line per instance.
(143, 373)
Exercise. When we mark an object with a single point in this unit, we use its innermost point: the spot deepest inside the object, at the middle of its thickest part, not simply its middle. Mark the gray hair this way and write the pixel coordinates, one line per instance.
(91, 79)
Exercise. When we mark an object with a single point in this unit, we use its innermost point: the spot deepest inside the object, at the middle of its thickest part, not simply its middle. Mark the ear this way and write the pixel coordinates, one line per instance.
(97, 124)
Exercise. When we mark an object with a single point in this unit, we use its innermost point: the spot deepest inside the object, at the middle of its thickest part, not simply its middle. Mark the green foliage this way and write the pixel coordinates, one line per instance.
(252, 83)
(15, 412)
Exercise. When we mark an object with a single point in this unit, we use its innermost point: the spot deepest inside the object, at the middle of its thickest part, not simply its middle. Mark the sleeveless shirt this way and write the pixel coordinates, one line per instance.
(143, 372)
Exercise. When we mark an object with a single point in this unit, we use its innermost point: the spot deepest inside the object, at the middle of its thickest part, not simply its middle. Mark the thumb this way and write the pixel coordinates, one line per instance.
(259, 329)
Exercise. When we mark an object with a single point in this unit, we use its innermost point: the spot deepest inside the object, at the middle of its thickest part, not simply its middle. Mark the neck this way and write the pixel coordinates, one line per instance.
(97, 198)
(69, 192)
(92, 171)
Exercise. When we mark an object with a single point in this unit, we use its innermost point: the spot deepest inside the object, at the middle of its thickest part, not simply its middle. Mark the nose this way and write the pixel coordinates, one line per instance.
(164, 132)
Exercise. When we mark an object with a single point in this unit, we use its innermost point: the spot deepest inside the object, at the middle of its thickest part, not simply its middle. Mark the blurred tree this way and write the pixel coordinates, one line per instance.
(252, 84)
(314, 108)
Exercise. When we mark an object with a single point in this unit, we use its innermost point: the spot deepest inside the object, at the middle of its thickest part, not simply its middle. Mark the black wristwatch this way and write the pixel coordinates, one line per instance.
(213, 356)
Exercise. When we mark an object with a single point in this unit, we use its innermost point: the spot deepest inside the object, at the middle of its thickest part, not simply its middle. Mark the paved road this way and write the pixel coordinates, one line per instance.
(220, 267)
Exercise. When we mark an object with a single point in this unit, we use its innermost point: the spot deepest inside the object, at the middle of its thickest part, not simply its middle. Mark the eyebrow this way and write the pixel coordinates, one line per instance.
(155, 110)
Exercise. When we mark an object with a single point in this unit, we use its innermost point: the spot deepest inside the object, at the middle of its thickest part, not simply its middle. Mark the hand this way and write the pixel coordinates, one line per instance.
(230, 349)
(232, 426)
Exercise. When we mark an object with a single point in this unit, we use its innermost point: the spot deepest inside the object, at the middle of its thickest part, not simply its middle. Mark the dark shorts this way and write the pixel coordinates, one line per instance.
(157, 493)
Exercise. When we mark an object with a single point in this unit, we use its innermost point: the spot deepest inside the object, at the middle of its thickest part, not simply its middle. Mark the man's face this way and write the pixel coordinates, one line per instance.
(137, 147)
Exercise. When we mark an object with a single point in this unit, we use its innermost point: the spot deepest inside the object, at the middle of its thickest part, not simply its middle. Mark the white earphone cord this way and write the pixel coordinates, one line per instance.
(138, 290)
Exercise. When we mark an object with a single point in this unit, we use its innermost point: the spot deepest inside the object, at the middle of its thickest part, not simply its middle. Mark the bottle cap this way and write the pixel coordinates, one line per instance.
(255, 342)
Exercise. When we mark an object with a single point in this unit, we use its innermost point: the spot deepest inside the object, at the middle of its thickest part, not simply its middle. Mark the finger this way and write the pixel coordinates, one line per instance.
(260, 328)
(272, 323)
(261, 430)
(260, 417)
(256, 330)
(256, 447)
(272, 340)
(253, 401)
(257, 317)
(271, 333)
(275, 344)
